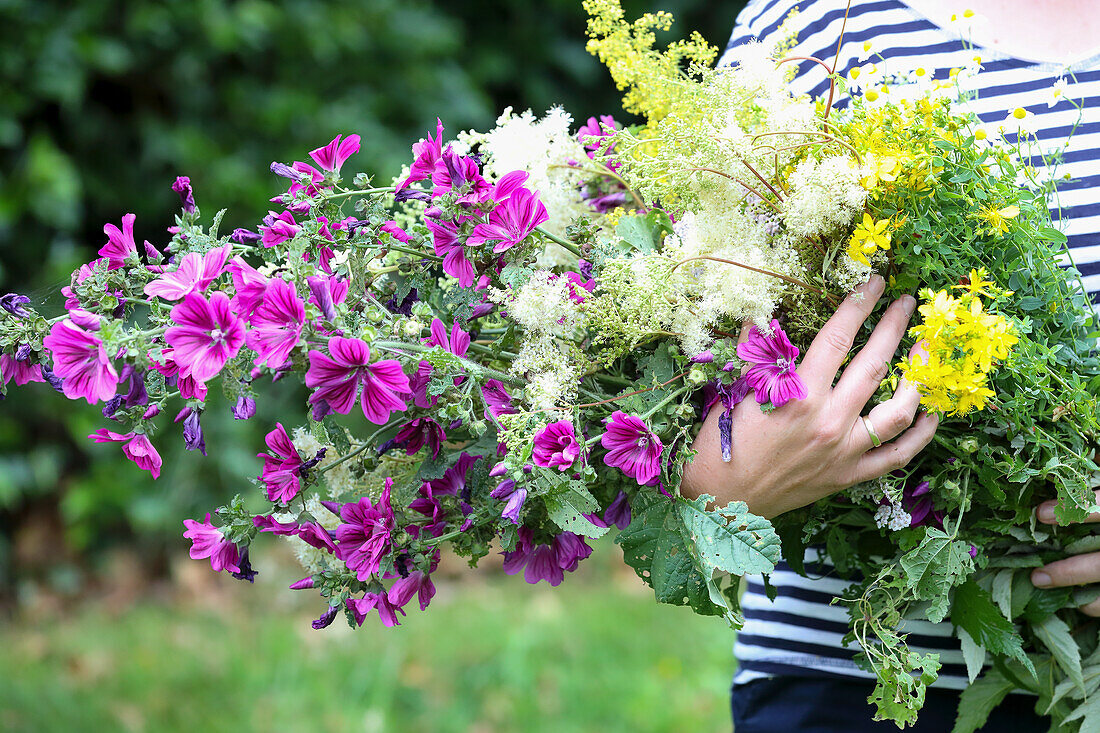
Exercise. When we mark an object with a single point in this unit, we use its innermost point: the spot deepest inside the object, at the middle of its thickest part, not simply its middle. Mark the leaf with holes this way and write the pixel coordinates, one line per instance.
(731, 539)
(654, 545)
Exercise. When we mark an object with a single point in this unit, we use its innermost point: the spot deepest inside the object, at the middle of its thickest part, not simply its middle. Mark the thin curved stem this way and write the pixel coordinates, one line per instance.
(558, 240)
(762, 271)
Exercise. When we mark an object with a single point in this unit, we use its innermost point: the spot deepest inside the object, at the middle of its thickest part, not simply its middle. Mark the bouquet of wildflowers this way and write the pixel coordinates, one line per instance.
(513, 343)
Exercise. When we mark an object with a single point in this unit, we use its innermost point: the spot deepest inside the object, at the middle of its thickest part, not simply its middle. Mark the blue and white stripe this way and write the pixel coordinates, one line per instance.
(800, 632)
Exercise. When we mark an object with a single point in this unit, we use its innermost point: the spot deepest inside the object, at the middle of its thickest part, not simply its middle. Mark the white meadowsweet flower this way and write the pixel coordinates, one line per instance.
(1057, 92)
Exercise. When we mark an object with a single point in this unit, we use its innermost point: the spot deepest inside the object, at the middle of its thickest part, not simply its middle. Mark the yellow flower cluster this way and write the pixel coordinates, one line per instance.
(869, 237)
(652, 79)
(962, 343)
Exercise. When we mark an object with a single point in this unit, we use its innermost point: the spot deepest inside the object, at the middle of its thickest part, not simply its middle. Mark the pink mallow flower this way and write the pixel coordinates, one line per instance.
(137, 448)
(208, 541)
(208, 334)
(80, 359)
(771, 366)
(195, 273)
(416, 583)
(280, 474)
(426, 154)
(511, 221)
(364, 536)
(249, 283)
(336, 380)
(278, 228)
(331, 157)
(556, 446)
(360, 607)
(21, 371)
(632, 447)
(120, 243)
(277, 324)
(448, 245)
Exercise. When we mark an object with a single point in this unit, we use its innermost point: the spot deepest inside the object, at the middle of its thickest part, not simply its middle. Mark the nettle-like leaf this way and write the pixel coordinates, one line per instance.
(978, 700)
(1056, 637)
(974, 611)
(731, 539)
(937, 564)
(655, 546)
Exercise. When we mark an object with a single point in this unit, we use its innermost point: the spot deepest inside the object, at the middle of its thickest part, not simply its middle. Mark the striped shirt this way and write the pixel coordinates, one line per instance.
(800, 632)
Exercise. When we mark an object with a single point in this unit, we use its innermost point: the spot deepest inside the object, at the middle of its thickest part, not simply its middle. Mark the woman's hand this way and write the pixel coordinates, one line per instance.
(1074, 570)
(816, 446)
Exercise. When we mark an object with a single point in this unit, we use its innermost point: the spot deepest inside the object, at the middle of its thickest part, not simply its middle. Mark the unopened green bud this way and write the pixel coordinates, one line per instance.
(412, 328)
(969, 445)
(696, 376)
(950, 490)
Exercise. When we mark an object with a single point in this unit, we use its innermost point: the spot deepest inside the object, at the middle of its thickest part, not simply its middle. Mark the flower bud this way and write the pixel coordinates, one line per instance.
(696, 376)
(969, 445)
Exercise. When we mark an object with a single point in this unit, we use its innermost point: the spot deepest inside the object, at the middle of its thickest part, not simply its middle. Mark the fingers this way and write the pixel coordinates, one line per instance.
(1091, 609)
(1077, 570)
(871, 365)
(1045, 512)
(831, 345)
(892, 456)
(892, 417)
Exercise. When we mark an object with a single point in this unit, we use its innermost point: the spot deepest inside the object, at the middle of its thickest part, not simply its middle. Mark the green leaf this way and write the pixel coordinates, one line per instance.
(655, 547)
(978, 701)
(934, 567)
(973, 655)
(644, 233)
(973, 610)
(1002, 592)
(1056, 637)
(731, 539)
(566, 509)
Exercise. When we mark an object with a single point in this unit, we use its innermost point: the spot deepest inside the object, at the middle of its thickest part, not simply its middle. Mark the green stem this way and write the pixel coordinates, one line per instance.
(360, 192)
(563, 242)
(672, 395)
(472, 366)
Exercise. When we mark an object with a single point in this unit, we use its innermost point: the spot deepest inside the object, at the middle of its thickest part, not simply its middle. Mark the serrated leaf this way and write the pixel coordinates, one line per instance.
(568, 507)
(973, 655)
(731, 539)
(978, 700)
(936, 565)
(655, 547)
(1056, 637)
(974, 611)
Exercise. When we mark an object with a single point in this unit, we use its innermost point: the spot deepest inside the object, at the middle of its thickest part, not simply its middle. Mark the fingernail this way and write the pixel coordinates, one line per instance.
(1040, 579)
(1046, 512)
(876, 285)
(909, 303)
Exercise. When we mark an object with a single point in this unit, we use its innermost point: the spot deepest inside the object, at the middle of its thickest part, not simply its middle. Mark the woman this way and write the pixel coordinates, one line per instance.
(795, 674)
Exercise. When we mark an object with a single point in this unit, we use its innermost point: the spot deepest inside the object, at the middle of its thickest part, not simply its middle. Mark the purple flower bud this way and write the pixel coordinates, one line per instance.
(725, 434)
(152, 252)
(585, 268)
(52, 379)
(244, 236)
(13, 303)
(326, 618)
(182, 186)
(110, 407)
(528, 468)
(410, 194)
(481, 309)
(136, 395)
(192, 431)
(498, 470)
(705, 357)
(321, 288)
(514, 505)
(503, 489)
(303, 470)
(304, 584)
(247, 573)
(284, 170)
(973, 551)
(245, 407)
(298, 207)
(152, 412)
(23, 352)
(332, 506)
(433, 212)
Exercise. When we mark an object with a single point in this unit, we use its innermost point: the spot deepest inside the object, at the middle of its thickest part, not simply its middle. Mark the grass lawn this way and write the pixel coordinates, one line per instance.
(490, 654)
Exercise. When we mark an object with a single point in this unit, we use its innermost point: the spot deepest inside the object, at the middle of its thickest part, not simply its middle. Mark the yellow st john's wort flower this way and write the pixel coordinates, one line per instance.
(963, 344)
(868, 238)
(998, 218)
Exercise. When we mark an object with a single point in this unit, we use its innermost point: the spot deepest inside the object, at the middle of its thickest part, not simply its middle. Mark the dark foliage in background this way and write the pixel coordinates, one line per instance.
(104, 102)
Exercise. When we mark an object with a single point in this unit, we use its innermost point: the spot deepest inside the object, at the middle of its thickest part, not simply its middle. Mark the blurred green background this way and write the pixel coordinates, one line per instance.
(102, 104)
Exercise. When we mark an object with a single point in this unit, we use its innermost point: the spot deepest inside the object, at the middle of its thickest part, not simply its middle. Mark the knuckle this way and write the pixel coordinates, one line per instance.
(900, 420)
(836, 340)
(826, 433)
(876, 370)
(898, 459)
